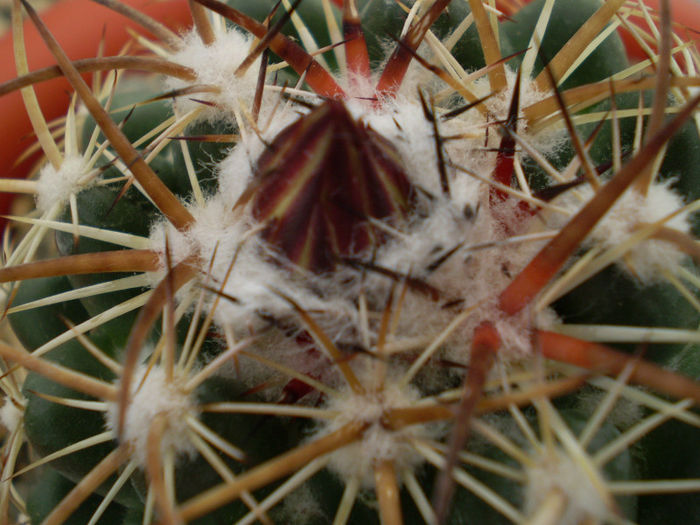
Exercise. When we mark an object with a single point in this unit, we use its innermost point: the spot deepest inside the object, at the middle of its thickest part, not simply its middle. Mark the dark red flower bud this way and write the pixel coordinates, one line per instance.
(322, 181)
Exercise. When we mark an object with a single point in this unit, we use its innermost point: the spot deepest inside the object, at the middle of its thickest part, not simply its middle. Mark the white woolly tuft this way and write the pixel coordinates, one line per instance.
(300, 506)
(623, 415)
(629, 213)
(10, 415)
(215, 65)
(228, 239)
(557, 471)
(378, 443)
(156, 396)
(546, 141)
(236, 170)
(57, 185)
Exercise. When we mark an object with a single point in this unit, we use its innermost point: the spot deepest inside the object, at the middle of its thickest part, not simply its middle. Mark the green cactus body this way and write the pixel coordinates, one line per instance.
(332, 278)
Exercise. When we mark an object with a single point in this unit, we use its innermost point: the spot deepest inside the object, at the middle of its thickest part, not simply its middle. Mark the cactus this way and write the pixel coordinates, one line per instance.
(360, 263)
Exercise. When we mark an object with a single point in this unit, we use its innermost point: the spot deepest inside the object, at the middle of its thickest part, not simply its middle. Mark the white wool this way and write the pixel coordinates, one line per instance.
(235, 171)
(445, 228)
(10, 415)
(156, 396)
(629, 213)
(377, 443)
(625, 412)
(57, 185)
(300, 506)
(261, 286)
(225, 241)
(558, 471)
(416, 76)
(473, 275)
(215, 65)
(546, 141)
(403, 123)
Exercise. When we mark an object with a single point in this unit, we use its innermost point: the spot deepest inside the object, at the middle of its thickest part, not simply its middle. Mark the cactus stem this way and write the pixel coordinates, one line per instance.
(378, 347)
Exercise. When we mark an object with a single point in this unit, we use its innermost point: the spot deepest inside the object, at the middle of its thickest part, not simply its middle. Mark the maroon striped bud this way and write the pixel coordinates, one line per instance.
(320, 184)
